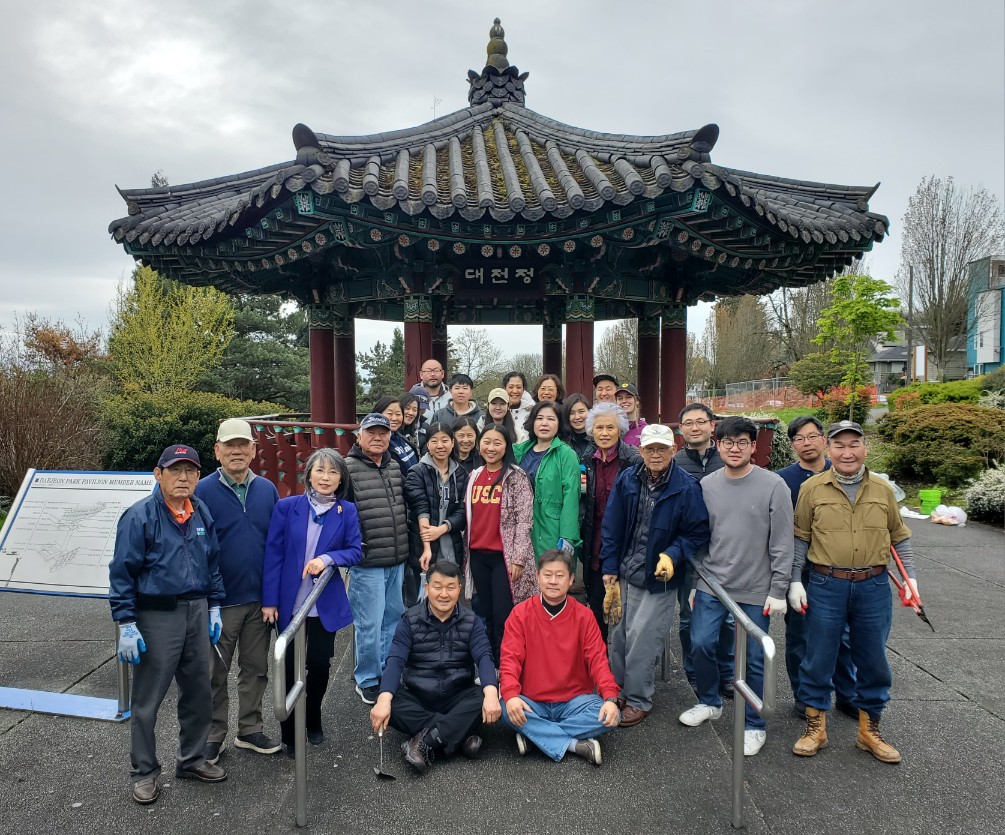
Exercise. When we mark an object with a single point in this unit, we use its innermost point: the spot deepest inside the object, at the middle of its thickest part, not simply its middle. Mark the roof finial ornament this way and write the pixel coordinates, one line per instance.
(499, 82)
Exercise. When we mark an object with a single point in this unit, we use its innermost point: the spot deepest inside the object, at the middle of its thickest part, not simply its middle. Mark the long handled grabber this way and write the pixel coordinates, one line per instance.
(907, 595)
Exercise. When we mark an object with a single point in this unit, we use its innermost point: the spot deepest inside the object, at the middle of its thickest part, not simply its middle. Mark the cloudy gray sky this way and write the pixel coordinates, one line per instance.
(98, 94)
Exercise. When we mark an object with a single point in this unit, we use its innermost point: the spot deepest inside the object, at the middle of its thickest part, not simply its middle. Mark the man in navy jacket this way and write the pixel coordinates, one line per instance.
(654, 522)
(242, 505)
(165, 591)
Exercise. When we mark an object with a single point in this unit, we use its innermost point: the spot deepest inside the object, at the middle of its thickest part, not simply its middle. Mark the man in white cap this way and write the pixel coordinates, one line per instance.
(241, 504)
(655, 520)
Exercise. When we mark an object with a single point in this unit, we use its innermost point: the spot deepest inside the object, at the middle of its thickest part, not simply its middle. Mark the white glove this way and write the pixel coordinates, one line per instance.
(797, 597)
(911, 587)
(690, 600)
(774, 606)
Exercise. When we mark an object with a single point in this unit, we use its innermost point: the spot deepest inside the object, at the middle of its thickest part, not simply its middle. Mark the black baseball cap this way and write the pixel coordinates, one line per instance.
(628, 387)
(844, 426)
(177, 453)
(375, 420)
(600, 377)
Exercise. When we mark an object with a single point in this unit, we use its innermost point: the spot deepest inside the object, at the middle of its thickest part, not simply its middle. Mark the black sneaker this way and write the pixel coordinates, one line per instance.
(315, 737)
(213, 751)
(368, 694)
(257, 742)
(726, 691)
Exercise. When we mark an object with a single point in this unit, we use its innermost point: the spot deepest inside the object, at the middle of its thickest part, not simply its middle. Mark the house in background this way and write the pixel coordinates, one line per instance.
(985, 327)
(887, 365)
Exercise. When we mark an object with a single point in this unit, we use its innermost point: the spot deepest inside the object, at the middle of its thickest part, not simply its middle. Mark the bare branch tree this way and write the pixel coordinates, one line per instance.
(617, 351)
(946, 228)
(473, 352)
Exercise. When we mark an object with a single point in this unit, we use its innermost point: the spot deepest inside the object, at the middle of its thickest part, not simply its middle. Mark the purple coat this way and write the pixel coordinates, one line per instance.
(285, 549)
(633, 437)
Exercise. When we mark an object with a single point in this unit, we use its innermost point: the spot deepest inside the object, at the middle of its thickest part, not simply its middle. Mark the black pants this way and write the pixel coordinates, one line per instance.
(488, 570)
(320, 649)
(410, 581)
(455, 718)
(595, 592)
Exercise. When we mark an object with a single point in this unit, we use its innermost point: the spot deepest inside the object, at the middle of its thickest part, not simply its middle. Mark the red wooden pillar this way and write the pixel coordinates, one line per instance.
(579, 358)
(418, 336)
(322, 359)
(551, 349)
(649, 367)
(673, 362)
(345, 369)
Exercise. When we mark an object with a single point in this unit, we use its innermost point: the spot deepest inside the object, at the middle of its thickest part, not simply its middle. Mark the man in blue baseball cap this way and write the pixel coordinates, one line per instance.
(165, 591)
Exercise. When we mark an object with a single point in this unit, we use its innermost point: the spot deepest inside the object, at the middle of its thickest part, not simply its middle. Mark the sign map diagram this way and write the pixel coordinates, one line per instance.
(60, 534)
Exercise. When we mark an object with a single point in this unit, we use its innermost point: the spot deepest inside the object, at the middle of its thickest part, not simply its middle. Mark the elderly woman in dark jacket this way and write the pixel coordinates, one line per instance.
(434, 501)
(604, 459)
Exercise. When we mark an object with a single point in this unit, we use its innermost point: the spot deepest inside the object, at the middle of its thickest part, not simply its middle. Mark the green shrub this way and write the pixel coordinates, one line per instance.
(947, 444)
(992, 399)
(985, 498)
(930, 394)
(139, 426)
(994, 380)
(835, 405)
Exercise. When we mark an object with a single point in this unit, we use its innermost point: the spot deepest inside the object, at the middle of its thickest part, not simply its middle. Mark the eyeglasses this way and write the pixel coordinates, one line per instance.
(688, 424)
(729, 443)
(805, 439)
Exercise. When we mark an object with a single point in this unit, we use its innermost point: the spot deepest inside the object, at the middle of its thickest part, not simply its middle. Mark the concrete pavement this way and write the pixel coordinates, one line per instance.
(947, 717)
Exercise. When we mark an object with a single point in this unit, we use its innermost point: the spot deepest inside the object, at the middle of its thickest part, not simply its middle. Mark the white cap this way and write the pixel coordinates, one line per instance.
(232, 429)
(657, 433)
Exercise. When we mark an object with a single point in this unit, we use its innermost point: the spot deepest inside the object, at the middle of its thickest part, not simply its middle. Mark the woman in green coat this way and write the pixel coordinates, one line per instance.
(554, 469)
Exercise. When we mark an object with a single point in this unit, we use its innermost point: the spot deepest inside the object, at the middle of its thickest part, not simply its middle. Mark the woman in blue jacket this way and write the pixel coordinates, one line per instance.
(307, 534)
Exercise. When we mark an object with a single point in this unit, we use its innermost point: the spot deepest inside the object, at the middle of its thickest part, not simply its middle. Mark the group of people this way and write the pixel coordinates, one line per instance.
(419, 519)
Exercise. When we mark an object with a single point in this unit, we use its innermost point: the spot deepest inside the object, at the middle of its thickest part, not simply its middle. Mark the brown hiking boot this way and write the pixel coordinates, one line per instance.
(815, 736)
(869, 739)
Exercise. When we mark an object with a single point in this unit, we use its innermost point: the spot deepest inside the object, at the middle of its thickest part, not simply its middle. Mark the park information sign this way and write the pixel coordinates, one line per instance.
(60, 533)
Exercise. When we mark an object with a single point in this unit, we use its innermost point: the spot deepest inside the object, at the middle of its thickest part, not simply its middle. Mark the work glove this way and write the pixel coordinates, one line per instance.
(131, 642)
(690, 599)
(612, 604)
(774, 606)
(566, 546)
(797, 597)
(215, 624)
(911, 587)
(664, 568)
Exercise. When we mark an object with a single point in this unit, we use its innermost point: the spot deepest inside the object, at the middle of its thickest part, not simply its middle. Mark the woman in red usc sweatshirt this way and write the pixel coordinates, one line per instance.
(498, 553)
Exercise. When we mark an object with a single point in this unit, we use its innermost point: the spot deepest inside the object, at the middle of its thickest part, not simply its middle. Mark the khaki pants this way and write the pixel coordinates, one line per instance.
(244, 631)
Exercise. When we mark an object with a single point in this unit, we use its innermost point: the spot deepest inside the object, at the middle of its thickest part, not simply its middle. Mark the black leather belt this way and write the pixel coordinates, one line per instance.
(856, 575)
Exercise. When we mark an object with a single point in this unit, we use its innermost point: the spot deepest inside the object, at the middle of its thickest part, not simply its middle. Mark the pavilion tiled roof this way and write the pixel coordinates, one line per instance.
(499, 161)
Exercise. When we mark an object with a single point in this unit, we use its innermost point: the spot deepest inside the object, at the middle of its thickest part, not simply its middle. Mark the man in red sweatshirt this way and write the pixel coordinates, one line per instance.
(553, 665)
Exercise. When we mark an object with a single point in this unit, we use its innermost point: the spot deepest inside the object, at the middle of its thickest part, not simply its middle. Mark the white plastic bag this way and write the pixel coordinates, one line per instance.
(898, 494)
(949, 515)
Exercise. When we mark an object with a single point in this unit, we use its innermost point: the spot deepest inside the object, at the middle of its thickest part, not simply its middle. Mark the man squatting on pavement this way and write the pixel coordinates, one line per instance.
(555, 680)
(242, 505)
(428, 691)
(750, 554)
(165, 589)
(845, 522)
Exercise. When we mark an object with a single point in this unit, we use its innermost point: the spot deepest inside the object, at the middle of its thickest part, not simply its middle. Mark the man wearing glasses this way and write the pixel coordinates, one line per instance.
(431, 386)
(750, 554)
(807, 437)
(655, 520)
(698, 458)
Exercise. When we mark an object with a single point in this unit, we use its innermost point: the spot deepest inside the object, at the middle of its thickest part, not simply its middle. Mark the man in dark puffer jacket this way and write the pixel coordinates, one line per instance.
(430, 675)
(375, 584)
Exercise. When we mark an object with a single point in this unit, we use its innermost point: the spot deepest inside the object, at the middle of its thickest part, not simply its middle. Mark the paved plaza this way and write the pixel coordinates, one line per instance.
(947, 717)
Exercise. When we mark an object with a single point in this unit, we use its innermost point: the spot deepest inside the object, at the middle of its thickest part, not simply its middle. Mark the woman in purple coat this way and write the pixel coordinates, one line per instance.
(307, 534)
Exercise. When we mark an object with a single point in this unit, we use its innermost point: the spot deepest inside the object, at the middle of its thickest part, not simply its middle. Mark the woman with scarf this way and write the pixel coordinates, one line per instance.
(307, 534)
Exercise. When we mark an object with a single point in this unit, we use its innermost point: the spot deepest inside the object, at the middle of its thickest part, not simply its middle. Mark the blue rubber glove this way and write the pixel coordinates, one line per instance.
(131, 642)
(566, 546)
(215, 624)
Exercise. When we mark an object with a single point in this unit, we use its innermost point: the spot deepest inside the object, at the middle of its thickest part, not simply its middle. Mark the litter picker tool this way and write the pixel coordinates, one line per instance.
(908, 597)
(379, 770)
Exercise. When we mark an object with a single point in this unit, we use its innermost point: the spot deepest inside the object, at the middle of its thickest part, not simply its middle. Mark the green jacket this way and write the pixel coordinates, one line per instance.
(556, 495)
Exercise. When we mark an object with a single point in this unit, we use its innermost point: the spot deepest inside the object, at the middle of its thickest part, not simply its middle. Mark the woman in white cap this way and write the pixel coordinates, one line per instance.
(497, 411)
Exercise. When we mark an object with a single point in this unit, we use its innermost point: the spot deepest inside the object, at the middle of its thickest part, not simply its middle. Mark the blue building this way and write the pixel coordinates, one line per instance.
(985, 326)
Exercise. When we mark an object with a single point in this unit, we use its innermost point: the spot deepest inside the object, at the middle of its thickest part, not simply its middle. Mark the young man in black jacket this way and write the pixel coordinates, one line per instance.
(428, 690)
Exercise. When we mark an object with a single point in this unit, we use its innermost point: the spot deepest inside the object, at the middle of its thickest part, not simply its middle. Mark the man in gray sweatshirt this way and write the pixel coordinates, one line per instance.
(750, 554)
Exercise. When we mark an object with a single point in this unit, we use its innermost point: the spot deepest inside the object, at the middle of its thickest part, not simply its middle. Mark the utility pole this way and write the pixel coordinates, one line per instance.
(909, 376)
(436, 102)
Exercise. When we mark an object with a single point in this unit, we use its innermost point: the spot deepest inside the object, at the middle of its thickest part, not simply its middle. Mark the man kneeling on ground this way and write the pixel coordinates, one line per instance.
(553, 659)
(428, 691)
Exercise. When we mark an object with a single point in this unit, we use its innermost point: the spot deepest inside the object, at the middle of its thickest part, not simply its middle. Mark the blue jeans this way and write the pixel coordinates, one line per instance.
(707, 620)
(865, 608)
(795, 651)
(551, 726)
(726, 634)
(375, 598)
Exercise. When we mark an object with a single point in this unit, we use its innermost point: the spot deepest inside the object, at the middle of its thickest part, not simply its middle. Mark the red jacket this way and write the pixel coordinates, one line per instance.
(554, 659)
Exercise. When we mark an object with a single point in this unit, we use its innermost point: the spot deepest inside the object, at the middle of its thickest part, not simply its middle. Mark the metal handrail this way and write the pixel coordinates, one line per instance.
(285, 702)
(765, 705)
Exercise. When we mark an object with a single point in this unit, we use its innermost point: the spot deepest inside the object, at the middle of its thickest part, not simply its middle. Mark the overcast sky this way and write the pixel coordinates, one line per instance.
(106, 93)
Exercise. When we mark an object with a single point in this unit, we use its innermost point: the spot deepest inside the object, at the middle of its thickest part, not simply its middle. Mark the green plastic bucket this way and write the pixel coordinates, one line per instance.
(930, 499)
